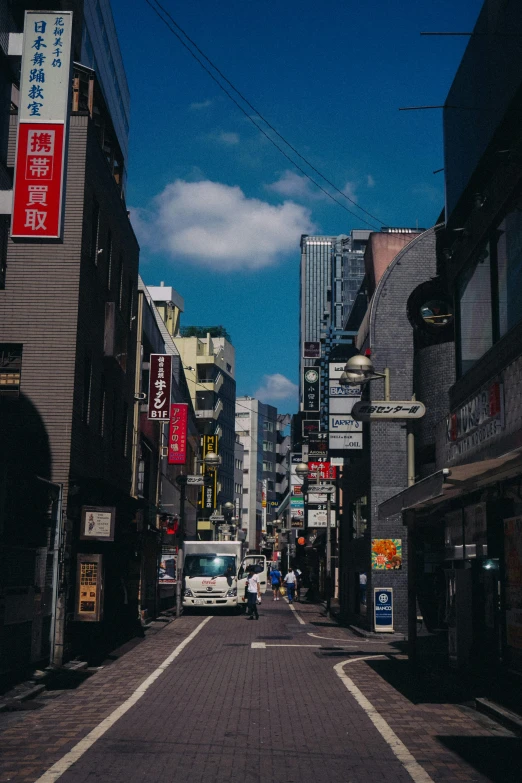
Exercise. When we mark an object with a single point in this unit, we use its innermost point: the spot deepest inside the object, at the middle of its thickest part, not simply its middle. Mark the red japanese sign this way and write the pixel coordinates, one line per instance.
(178, 434)
(160, 379)
(326, 470)
(38, 183)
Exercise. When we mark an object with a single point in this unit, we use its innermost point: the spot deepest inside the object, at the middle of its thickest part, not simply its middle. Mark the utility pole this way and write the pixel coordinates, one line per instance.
(181, 481)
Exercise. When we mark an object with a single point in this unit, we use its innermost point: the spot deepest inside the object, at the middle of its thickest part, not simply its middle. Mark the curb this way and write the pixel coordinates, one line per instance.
(7, 705)
(502, 715)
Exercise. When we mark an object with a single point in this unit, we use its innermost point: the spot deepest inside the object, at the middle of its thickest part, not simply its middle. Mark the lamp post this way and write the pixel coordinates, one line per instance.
(301, 471)
(228, 513)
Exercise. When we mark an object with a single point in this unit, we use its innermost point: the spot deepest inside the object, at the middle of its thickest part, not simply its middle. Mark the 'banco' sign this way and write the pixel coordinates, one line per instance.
(43, 121)
(383, 609)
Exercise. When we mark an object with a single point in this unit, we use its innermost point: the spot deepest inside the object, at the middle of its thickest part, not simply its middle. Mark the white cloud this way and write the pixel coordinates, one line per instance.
(203, 105)
(370, 182)
(276, 387)
(292, 185)
(349, 190)
(228, 138)
(214, 225)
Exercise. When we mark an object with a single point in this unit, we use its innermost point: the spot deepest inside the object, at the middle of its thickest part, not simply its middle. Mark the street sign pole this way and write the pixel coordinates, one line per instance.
(328, 553)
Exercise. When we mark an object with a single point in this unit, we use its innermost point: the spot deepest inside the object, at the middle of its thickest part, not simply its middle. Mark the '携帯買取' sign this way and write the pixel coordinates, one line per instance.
(43, 117)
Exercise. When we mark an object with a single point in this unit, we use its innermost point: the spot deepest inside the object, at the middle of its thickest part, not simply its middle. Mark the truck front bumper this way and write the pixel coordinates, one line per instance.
(222, 603)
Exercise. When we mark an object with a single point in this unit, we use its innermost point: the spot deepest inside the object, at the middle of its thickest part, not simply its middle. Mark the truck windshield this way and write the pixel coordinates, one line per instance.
(210, 565)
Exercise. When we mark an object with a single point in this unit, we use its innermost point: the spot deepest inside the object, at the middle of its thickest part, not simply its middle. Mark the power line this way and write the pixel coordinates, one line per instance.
(260, 129)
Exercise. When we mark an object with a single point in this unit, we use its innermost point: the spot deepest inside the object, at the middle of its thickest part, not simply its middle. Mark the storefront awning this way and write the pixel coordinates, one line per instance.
(449, 483)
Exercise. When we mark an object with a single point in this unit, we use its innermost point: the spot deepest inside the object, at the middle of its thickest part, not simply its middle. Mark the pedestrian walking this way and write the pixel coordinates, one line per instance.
(298, 584)
(291, 581)
(253, 594)
(275, 578)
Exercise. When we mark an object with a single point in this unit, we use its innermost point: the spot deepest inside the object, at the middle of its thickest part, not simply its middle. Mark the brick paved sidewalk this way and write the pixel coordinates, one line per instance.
(31, 745)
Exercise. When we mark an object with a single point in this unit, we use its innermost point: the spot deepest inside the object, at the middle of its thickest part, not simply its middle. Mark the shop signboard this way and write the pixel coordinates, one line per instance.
(89, 576)
(296, 502)
(97, 523)
(310, 426)
(167, 567)
(341, 441)
(343, 423)
(335, 389)
(311, 349)
(177, 448)
(160, 380)
(311, 390)
(43, 118)
(382, 409)
(386, 554)
(325, 469)
(336, 369)
(383, 609)
(317, 517)
(341, 404)
(479, 419)
(513, 560)
(208, 500)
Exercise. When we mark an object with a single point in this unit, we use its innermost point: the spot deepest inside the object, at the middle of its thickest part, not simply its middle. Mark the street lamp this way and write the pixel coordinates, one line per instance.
(211, 460)
(301, 470)
(359, 370)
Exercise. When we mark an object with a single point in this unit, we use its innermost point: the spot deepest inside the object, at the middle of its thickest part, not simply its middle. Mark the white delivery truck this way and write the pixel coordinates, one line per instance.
(214, 573)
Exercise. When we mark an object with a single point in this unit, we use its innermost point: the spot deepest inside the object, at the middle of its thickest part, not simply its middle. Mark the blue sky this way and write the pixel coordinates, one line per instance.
(218, 210)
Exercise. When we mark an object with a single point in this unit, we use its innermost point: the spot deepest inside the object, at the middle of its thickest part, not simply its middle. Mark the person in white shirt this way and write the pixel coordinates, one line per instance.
(291, 581)
(253, 593)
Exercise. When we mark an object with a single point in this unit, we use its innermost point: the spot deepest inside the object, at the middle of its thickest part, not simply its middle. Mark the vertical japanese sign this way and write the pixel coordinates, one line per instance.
(160, 379)
(209, 491)
(178, 434)
(311, 398)
(43, 122)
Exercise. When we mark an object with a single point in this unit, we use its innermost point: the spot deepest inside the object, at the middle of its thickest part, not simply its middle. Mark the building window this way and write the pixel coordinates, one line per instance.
(268, 445)
(242, 415)
(245, 490)
(10, 369)
(475, 317)
(268, 426)
(95, 230)
(245, 471)
(359, 517)
(509, 264)
(267, 466)
(488, 291)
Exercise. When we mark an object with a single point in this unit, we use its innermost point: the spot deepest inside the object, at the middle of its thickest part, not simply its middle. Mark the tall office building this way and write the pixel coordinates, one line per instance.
(257, 428)
(332, 269)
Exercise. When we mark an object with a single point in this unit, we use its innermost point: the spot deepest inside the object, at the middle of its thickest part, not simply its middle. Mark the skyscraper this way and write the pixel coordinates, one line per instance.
(332, 269)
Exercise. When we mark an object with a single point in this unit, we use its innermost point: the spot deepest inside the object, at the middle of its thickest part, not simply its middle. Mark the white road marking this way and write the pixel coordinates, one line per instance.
(61, 766)
(417, 773)
(264, 645)
(297, 616)
(335, 639)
